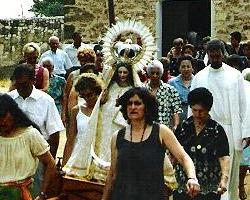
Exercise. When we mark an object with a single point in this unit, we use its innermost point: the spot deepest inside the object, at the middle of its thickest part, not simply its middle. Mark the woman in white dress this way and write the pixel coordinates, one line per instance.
(104, 119)
(89, 87)
(111, 117)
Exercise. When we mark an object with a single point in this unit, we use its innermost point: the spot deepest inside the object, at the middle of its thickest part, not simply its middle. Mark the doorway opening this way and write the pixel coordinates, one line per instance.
(180, 18)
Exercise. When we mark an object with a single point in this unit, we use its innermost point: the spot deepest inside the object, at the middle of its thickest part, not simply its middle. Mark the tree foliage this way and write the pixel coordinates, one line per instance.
(48, 8)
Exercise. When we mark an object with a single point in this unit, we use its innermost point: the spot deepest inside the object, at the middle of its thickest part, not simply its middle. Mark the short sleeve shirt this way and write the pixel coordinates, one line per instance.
(60, 59)
(169, 103)
(18, 154)
(41, 109)
(205, 149)
(178, 84)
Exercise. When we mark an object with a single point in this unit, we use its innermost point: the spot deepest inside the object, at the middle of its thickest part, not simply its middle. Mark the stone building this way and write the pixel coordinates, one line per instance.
(15, 33)
(166, 19)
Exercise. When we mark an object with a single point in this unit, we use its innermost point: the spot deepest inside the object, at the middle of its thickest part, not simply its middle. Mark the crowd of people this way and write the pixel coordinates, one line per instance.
(181, 127)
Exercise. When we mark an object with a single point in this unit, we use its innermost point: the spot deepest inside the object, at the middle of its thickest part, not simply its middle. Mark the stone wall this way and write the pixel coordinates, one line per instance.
(229, 16)
(90, 17)
(15, 33)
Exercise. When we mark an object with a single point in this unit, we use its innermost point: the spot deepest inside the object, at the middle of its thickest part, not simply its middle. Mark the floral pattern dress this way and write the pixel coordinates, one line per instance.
(56, 89)
(169, 103)
(205, 149)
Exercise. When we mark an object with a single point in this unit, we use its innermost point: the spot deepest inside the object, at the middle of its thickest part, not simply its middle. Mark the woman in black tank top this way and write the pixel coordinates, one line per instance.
(138, 150)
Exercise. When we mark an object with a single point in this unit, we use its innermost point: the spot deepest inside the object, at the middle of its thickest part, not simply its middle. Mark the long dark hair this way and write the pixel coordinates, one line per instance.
(130, 73)
(8, 105)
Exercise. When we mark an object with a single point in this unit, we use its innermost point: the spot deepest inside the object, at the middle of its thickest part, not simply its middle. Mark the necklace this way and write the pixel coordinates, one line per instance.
(145, 126)
(199, 127)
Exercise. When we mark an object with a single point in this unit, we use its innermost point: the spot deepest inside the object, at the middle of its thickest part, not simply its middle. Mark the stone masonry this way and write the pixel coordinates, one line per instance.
(15, 33)
(90, 17)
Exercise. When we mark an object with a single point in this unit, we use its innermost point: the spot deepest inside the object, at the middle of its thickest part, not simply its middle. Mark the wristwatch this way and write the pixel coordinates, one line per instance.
(43, 195)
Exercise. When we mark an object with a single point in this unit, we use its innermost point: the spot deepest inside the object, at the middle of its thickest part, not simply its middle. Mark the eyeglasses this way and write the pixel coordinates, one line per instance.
(136, 103)
(155, 73)
(87, 95)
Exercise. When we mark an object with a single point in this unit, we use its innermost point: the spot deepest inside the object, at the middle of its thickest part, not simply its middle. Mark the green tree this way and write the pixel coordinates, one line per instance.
(48, 8)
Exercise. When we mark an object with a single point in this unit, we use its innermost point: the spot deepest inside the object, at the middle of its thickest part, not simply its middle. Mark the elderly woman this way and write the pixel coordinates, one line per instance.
(138, 152)
(182, 82)
(206, 143)
(31, 53)
(56, 83)
(22, 145)
(169, 104)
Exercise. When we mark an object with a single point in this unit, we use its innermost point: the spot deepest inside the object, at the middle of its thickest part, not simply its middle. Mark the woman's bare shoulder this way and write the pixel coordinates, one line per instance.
(75, 109)
(164, 129)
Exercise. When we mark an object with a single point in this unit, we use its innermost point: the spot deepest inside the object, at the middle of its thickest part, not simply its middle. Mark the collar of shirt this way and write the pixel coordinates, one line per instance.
(216, 70)
(179, 79)
(35, 94)
(52, 52)
(149, 87)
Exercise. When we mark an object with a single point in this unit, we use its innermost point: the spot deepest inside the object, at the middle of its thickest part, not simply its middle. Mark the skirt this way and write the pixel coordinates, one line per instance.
(14, 193)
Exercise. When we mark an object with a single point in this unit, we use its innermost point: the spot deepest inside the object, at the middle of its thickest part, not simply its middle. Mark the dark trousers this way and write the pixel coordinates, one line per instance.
(185, 196)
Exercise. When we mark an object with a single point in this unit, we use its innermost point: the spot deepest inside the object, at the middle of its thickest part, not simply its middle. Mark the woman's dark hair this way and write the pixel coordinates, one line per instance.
(189, 46)
(150, 102)
(201, 96)
(88, 83)
(86, 67)
(130, 79)
(186, 57)
(20, 118)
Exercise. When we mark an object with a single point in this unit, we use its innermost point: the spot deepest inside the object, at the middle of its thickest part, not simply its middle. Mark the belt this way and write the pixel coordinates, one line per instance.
(22, 185)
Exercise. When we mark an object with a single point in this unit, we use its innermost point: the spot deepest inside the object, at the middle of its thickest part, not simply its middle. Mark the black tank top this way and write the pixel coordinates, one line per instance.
(139, 168)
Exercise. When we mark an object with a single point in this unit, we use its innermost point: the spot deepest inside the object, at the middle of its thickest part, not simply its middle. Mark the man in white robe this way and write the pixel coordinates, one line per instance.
(229, 108)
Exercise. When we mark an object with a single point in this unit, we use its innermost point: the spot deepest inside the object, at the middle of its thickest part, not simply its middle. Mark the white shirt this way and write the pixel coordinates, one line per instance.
(229, 100)
(60, 59)
(71, 50)
(246, 121)
(41, 109)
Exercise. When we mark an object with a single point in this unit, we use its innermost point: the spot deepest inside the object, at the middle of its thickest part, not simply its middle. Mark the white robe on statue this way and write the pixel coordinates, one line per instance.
(229, 109)
(111, 120)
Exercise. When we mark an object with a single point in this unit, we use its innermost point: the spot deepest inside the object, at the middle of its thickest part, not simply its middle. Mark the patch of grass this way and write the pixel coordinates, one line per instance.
(4, 85)
(6, 72)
